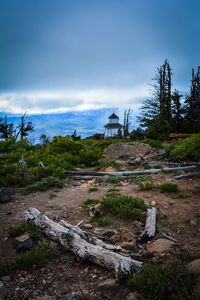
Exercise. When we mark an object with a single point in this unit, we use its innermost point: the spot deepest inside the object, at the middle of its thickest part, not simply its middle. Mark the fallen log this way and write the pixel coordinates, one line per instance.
(92, 174)
(84, 244)
(192, 175)
(150, 226)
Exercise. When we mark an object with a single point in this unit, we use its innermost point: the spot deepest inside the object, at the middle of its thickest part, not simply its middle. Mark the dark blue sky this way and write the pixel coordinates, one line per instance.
(63, 55)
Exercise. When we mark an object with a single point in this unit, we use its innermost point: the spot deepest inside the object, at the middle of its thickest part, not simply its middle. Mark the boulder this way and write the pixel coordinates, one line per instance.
(87, 226)
(5, 195)
(132, 246)
(160, 245)
(194, 266)
(107, 284)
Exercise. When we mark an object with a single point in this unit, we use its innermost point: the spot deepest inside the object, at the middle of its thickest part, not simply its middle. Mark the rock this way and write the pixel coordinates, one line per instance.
(22, 238)
(194, 266)
(133, 296)
(153, 203)
(98, 230)
(25, 246)
(6, 278)
(87, 226)
(109, 283)
(108, 233)
(110, 169)
(132, 246)
(137, 224)
(193, 223)
(5, 195)
(3, 293)
(137, 161)
(160, 246)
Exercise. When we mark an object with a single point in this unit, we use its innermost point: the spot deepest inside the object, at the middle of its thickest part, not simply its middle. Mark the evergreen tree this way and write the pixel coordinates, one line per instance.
(6, 129)
(126, 122)
(156, 111)
(193, 103)
(177, 112)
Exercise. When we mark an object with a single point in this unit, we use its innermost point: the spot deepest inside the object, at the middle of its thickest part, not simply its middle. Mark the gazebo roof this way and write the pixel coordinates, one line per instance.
(113, 125)
(113, 116)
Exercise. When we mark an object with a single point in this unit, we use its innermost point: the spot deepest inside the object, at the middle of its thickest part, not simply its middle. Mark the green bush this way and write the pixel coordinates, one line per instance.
(36, 258)
(146, 185)
(153, 143)
(161, 282)
(43, 185)
(125, 207)
(93, 189)
(113, 179)
(33, 231)
(102, 221)
(169, 187)
(90, 202)
(187, 149)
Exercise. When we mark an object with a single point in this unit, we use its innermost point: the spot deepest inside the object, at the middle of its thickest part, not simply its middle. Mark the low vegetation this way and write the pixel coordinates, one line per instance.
(102, 221)
(93, 189)
(187, 149)
(36, 258)
(33, 231)
(113, 179)
(161, 282)
(125, 207)
(146, 185)
(169, 187)
(43, 185)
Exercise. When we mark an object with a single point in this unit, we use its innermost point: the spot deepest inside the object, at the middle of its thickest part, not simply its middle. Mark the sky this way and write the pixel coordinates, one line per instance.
(59, 56)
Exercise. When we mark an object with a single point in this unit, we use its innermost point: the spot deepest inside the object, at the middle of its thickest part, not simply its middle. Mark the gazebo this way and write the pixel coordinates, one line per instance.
(113, 126)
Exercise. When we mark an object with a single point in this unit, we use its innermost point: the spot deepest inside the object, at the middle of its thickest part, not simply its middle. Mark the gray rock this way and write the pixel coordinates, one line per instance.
(193, 223)
(25, 246)
(108, 233)
(87, 226)
(6, 278)
(5, 195)
(107, 284)
(133, 296)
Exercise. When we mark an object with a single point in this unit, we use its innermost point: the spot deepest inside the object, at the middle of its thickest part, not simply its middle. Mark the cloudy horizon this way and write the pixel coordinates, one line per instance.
(62, 56)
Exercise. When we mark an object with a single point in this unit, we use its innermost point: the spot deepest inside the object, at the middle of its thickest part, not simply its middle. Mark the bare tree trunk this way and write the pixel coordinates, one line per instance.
(84, 244)
(150, 226)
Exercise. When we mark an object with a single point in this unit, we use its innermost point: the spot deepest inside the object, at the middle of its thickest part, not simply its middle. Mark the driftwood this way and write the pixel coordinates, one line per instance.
(93, 174)
(192, 175)
(150, 226)
(84, 244)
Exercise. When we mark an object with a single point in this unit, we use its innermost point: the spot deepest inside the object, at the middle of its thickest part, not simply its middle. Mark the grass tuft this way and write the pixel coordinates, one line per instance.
(169, 187)
(102, 221)
(93, 189)
(125, 207)
(33, 231)
(161, 282)
(43, 185)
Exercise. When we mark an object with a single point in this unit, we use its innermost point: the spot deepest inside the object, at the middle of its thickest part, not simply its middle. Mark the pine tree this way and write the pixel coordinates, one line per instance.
(193, 103)
(6, 129)
(156, 111)
(177, 112)
(24, 128)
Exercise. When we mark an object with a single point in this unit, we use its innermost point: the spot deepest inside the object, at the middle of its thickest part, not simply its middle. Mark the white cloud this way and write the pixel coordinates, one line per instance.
(43, 102)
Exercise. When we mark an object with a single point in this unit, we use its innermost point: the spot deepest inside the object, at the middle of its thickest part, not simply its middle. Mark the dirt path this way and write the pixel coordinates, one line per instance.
(177, 216)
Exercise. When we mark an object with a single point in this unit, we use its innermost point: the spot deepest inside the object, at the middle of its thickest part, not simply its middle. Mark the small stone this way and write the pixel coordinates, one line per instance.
(108, 233)
(44, 281)
(3, 293)
(193, 223)
(109, 283)
(137, 224)
(194, 266)
(46, 298)
(22, 238)
(87, 226)
(153, 203)
(6, 278)
(98, 230)
(133, 296)
(132, 246)
(160, 246)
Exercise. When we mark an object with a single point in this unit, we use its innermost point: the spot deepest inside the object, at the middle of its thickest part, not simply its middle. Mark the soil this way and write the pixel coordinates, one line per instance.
(66, 277)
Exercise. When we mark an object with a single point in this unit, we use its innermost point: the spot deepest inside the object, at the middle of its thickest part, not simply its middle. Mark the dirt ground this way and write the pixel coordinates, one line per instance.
(67, 276)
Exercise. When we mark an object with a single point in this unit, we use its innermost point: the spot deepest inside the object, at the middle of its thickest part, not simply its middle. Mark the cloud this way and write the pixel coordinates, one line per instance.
(46, 102)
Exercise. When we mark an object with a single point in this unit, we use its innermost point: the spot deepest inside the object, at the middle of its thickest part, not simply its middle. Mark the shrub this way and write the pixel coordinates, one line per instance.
(38, 257)
(90, 202)
(113, 179)
(125, 207)
(169, 187)
(93, 189)
(102, 221)
(33, 231)
(161, 282)
(43, 185)
(153, 143)
(146, 185)
(187, 149)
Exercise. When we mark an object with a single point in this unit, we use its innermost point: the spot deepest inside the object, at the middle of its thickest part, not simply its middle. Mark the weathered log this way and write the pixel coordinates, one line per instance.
(90, 174)
(84, 244)
(192, 175)
(150, 226)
